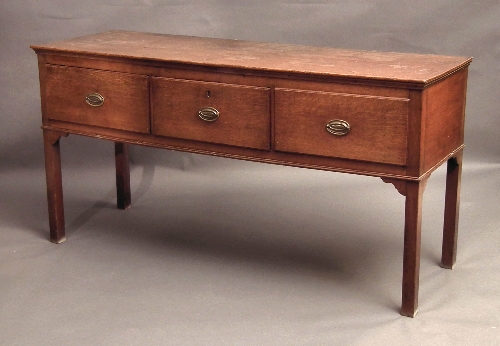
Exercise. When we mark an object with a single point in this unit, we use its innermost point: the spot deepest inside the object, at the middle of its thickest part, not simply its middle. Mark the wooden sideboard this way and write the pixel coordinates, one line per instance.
(389, 115)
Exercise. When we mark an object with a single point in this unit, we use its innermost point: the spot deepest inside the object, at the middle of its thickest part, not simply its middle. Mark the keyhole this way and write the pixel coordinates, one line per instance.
(208, 93)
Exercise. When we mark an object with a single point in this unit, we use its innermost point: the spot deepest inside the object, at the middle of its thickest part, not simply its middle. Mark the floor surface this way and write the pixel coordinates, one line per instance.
(222, 252)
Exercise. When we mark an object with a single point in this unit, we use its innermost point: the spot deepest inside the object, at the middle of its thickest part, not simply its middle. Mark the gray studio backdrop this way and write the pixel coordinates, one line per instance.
(222, 252)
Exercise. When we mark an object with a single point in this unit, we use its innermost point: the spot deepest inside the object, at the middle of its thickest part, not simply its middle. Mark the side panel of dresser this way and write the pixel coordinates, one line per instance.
(436, 124)
(444, 119)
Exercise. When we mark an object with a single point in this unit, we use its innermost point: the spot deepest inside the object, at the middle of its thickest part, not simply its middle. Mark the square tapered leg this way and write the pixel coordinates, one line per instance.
(451, 210)
(411, 256)
(123, 195)
(54, 185)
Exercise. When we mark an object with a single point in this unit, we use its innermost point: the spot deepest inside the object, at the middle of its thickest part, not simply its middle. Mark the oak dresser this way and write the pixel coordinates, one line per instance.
(389, 115)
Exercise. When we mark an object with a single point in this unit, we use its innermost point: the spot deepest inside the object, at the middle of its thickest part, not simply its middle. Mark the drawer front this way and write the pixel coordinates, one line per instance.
(74, 95)
(211, 112)
(376, 126)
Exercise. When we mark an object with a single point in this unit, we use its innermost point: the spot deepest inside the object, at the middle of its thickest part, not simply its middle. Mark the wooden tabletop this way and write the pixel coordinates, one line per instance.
(401, 67)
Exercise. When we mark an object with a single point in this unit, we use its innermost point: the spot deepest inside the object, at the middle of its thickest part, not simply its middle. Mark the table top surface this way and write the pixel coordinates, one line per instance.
(237, 54)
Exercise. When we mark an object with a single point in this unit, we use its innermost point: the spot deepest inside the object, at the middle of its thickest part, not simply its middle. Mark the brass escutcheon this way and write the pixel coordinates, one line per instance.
(94, 99)
(338, 127)
(208, 114)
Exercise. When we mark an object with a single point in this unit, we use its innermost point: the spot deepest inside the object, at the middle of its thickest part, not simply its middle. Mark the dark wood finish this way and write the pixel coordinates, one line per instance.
(244, 112)
(165, 69)
(451, 210)
(400, 185)
(411, 255)
(280, 158)
(54, 185)
(125, 95)
(123, 194)
(444, 118)
(406, 113)
(378, 125)
(389, 67)
(415, 133)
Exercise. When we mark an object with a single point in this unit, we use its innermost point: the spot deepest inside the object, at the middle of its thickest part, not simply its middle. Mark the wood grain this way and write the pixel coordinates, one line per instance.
(126, 98)
(418, 68)
(444, 117)
(244, 112)
(247, 77)
(378, 125)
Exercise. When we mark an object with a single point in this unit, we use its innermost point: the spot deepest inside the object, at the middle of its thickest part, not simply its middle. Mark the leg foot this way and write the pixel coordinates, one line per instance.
(411, 257)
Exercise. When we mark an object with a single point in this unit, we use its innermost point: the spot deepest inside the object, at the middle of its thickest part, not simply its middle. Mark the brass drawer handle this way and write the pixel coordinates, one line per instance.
(94, 99)
(338, 127)
(208, 114)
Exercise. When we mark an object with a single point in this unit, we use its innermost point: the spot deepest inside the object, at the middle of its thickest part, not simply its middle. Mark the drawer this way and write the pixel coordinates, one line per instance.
(73, 95)
(377, 126)
(221, 113)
